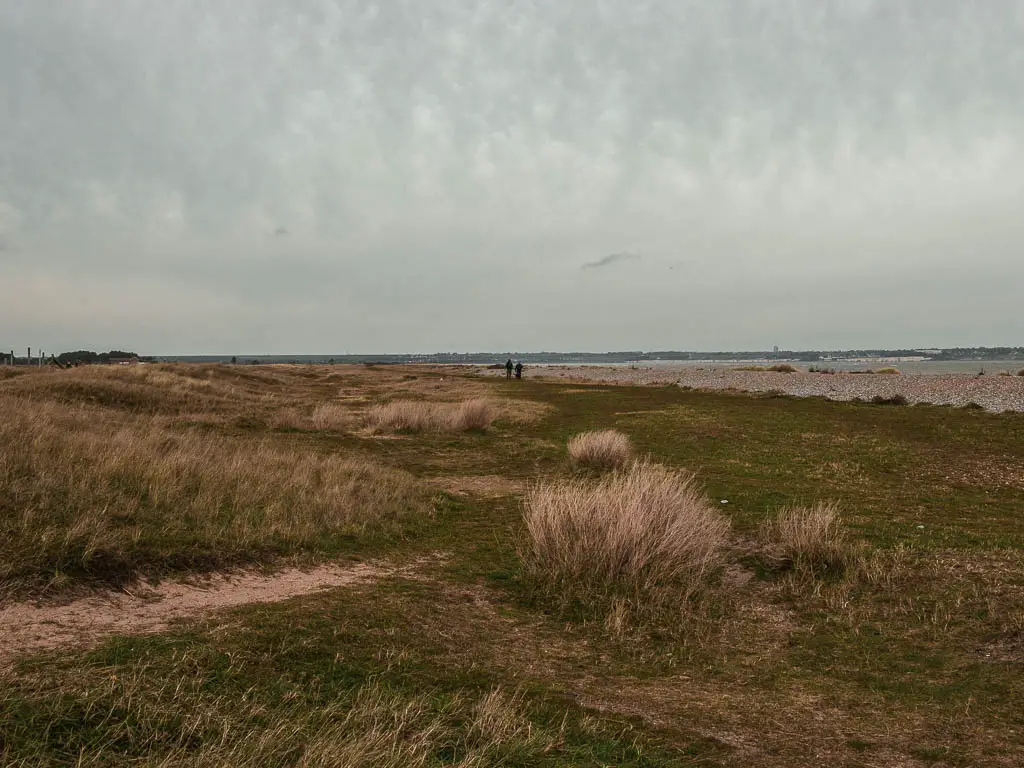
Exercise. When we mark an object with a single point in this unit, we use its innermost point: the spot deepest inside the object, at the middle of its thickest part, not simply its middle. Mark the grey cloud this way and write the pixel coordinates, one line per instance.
(439, 165)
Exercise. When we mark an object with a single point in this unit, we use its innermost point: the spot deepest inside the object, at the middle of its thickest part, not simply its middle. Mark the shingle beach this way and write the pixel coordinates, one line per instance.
(993, 393)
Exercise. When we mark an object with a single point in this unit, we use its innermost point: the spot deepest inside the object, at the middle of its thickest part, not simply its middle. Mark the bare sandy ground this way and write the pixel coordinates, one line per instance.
(993, 393)
(142, 610)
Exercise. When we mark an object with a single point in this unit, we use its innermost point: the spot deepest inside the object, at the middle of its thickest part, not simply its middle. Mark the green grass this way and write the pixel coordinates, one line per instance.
(204, 694)
(916, 660)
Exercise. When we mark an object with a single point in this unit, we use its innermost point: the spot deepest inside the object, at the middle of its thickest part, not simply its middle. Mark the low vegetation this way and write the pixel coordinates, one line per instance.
(601, 450)
(782, 368)
(647, 534)
(896, 399)
(332, 416)
(376, 726)
(420, 416)
(888, 371)
(84, 491)
(809, 539)
(516, 612)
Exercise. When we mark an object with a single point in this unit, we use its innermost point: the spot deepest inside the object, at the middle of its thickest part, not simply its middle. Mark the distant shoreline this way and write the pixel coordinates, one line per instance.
(994, 393)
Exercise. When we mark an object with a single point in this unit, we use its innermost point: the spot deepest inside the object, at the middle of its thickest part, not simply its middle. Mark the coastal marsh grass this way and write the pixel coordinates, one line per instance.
(646, 535)
(353, 677)
(333, 417)
(914, 649)
(422, 416)
(600, 449)
(809, 539)
(376, 726)
(90, 492)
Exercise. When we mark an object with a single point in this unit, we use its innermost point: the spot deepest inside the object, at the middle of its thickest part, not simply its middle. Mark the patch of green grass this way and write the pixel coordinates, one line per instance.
(323, 673)
(918, 658)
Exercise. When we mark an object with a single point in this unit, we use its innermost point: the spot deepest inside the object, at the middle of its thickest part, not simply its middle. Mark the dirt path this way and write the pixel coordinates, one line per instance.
(25, 627)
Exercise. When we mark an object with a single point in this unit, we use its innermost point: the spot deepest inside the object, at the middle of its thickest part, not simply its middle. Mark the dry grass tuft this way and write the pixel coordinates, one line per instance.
(476, 414)
(419, 416)
(643, 534)
(90, 491)
(888, 371)
(782, 368)
(329, 416)
(809, 539)
(401, 416)
(603, 450)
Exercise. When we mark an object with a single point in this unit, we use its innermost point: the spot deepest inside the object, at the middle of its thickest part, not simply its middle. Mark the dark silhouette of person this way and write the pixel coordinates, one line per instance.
(508, 368)
(519, 370)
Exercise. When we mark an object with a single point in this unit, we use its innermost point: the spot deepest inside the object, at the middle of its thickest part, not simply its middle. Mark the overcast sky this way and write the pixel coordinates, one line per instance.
(328, 176)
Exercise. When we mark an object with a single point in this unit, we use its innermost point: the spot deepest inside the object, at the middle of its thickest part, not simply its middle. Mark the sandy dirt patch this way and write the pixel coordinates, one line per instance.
(143, 609)
(479, 485)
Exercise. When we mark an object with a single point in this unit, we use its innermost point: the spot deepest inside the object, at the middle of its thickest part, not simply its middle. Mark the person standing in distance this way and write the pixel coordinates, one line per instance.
(508, 369)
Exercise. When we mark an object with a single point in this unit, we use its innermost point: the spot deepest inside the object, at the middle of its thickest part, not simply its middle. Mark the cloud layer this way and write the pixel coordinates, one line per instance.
(331, 175)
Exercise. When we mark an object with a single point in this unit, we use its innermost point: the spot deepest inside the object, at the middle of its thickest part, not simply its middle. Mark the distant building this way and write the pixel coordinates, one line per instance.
(124, 360)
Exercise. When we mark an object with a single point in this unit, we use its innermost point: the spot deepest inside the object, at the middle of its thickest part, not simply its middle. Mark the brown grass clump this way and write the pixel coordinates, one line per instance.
(330, 416)
(89, 492)
(782, 368)
(476, 414)
(888, 371)
(603, 450)
(401, 416)
(809, 539)
(647, 534)
(420, 416)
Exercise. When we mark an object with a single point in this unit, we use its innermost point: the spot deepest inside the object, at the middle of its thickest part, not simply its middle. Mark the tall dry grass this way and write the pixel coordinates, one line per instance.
(210, 393)
(602, 450)
(809, 539)
(330, 416)
(647, 534)
(86, 490)
(424, 416)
